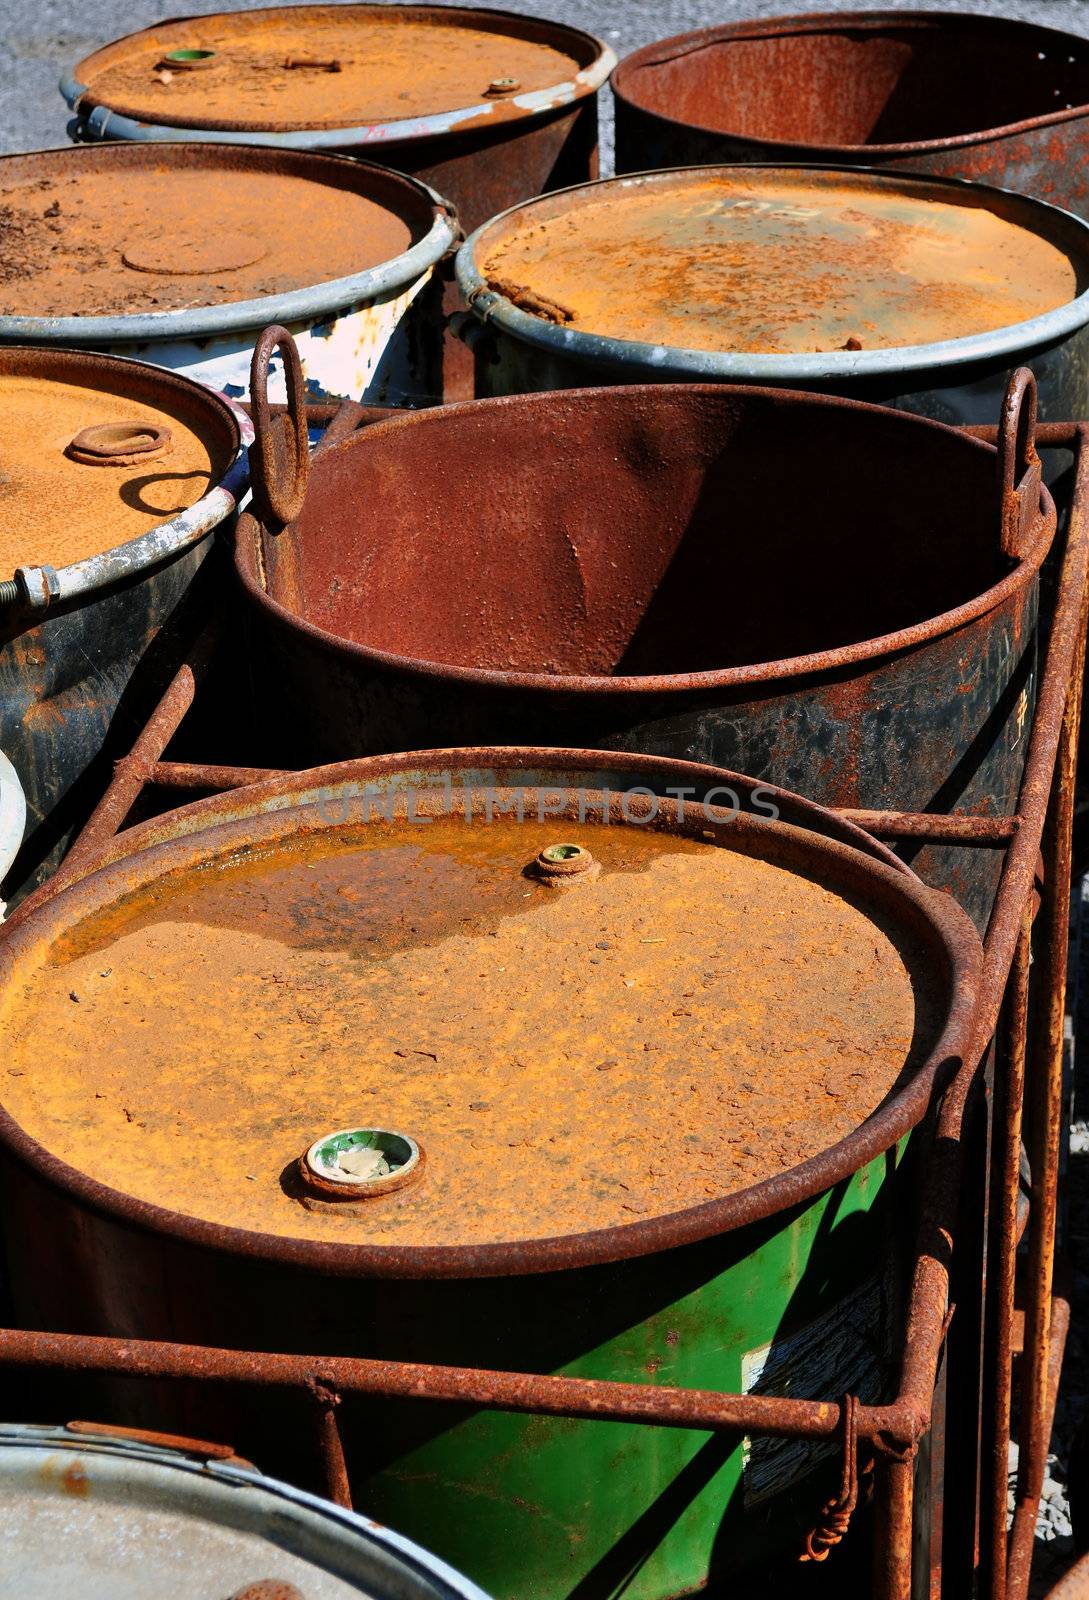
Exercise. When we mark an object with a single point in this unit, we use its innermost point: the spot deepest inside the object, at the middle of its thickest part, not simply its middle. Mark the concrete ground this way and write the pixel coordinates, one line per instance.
(43, 36)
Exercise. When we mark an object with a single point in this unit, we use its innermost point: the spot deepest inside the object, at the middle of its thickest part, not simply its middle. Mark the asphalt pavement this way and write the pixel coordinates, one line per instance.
(43, 36)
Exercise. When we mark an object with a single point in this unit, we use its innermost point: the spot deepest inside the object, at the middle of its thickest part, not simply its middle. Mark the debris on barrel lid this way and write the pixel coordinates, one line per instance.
(775, 260)
(384, 64)
(145, 229)
(465, 1004)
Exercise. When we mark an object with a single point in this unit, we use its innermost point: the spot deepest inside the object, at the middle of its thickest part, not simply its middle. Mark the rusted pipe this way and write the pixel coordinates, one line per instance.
(130, 774)
(995, 832)
(203, 775)
(1023, 1531)
(1002, 1260)
(334, 1468)
(536, 1393)
(1061, 678)
(1045, 1085)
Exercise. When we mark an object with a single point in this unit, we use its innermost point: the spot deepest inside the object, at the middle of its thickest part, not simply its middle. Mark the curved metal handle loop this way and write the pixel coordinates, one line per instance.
(1020, 476)
(280, 453)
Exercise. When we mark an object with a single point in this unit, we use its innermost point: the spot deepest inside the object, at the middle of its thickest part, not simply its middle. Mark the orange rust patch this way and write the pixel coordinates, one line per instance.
(54, 510)
(83, 238)
(355, 65)
(771, 262)
(687, 1022)
(75, 1481)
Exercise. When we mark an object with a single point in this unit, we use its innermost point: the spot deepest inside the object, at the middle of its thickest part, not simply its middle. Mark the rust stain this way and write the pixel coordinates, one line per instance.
(274, 69)
(58, 510)
(116, 229)
(773, 262)
(75, 1481)
(416, 977)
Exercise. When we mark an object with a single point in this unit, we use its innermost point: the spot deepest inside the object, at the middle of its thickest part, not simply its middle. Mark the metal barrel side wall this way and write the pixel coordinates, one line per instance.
(83, 666)
(958, 379)
(912, 733)
(795, 1286)
(76, 688)
(941, 725)
(967, 395)
(805, 1302)
(988, 98)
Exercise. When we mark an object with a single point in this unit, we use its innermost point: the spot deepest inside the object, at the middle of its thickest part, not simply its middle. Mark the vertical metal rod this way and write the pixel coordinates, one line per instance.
(1044, 1082)
(334, 1469)
(1009, 1093)
(894, 1533)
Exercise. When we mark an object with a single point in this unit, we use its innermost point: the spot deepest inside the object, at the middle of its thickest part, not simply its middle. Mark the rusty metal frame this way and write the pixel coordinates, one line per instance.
(1030, 912)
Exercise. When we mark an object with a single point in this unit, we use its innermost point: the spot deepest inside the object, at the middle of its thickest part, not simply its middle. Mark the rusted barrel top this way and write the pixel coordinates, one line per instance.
(779, 271)
(484, 986)
(100, 454)
(383, 71)
(200, 238)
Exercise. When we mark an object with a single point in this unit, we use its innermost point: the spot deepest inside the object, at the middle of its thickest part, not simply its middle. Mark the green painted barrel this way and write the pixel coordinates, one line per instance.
(545, 1062)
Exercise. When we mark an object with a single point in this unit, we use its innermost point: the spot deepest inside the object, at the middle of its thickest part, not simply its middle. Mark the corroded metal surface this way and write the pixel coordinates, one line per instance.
(895, 1429)
(774, 261)
(485, 153)
(79, 644)
(423, 783)
(544, 613)
(141, 261)
(409, 72)
(471, 1261)
(1075, 1585)
(982, 97)
(645, 1002)
(522, 341)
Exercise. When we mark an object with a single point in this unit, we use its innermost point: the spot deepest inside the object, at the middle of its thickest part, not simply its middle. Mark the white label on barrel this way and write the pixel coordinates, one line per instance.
(845, 1351)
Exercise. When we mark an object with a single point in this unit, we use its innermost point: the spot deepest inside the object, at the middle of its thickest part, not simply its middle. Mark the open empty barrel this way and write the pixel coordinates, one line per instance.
(921, 293)
(981, 97)
(825, 594)
(180, 255)
(505, 1059)
(95, 1515)
(486, 106)
(115, 475)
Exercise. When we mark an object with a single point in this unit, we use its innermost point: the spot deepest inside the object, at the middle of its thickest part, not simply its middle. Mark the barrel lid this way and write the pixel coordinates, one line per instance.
(781, 261)
(130, 231)
(340, 66)
(98, 452)
(586, 1022)
(82, 1511)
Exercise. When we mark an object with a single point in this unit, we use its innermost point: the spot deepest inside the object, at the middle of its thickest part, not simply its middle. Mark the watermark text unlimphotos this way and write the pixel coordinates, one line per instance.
(474, 801)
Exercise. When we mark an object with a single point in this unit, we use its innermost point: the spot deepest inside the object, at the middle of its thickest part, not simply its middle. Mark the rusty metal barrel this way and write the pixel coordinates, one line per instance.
(983, 97)
(486, 106)
(921, 293)
(530, 1061)
(182, 254)
(115, 476)
(834, 596)
(122, 1515)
